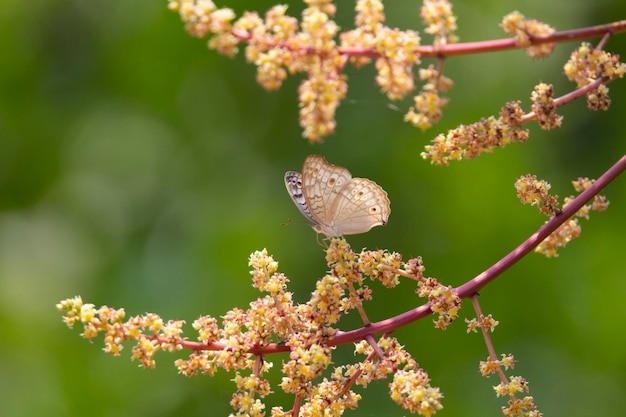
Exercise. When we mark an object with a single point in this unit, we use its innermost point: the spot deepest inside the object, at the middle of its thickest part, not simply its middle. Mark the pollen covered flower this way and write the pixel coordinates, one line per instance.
(443, 301)
(440, 21)
(244, 338)
(535, 192)
(410, 388)
(532, 191)
(470, 141)
(527, 30)
(544, 107)
(587, 64)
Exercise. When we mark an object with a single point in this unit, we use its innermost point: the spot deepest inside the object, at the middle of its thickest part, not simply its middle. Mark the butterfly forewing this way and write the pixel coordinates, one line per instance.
(293, 182)
(321, 183)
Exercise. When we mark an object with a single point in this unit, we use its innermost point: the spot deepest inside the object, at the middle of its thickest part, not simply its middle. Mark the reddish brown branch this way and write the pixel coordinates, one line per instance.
(488, 342)
(569, 97)
(480, 281)
(466, 47)
(509, 43)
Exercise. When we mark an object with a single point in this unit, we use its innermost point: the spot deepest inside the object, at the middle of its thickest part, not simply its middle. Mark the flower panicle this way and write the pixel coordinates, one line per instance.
(587, 64)
(535, 192)
(440, 21)
(527, 30)
(531, 190)
(484, 322)
(149, 331)
(280, 45)
(443, 300)
(484, 136)
(244, 338)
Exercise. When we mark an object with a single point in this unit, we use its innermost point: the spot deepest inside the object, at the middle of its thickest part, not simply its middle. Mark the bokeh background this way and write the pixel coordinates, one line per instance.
(139, 170)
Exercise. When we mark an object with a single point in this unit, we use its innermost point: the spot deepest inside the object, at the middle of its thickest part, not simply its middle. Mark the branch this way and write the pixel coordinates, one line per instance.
(480, 281)
(509, 43)
(463, 48)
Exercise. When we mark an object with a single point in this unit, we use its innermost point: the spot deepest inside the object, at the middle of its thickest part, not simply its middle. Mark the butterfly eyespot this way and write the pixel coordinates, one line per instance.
(299, 183)
(360, 194)
(373, 209)
(332, 181)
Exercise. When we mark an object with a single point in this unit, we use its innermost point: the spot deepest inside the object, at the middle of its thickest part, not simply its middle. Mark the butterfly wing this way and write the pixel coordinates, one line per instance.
(293, 183)
(321, 185)
(360, 205)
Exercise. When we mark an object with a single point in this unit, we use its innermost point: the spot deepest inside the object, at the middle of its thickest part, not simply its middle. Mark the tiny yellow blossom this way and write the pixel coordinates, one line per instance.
(437, 15)
(526, 31)
(544, 107)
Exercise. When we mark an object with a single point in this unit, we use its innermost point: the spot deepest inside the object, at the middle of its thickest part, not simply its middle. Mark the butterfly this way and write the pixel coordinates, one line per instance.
(333, 201)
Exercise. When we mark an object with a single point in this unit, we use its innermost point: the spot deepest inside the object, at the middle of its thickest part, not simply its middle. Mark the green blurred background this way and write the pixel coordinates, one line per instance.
(139, 170)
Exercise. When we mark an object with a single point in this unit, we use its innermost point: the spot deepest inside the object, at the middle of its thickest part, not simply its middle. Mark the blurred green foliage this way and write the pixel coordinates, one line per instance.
(139, 170)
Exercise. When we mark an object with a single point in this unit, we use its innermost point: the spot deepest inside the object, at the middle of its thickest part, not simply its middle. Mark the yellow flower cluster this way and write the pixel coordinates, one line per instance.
(571, 229)
(535, 192)
(468, 142)
(587, 64)
(560, 237)
(526, 31)
(387, 267)
(524, 407)
(544, 107)
(517, 407)
(369, 15)
(328, 398)
(202, 17)
(428, 104)
(398, 55)
(273, 323)
(327, 298)
(164, 336)
(437, 14)
(244, 399)
(368, 22)
(532, 191)
(410, 388)
(279, 45)
(306, 362)
(511, 387)
(381, 266)
(515, 385)
(600, 203)
(443, 301)
(490, 366)
(485, 322)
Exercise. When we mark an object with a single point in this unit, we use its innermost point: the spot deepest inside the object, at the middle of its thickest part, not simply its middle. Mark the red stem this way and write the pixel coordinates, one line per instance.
(481, 280)
(466, 47)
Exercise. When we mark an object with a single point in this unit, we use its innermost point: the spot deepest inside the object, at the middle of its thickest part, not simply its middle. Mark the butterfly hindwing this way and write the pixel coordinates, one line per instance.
(363, 205)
